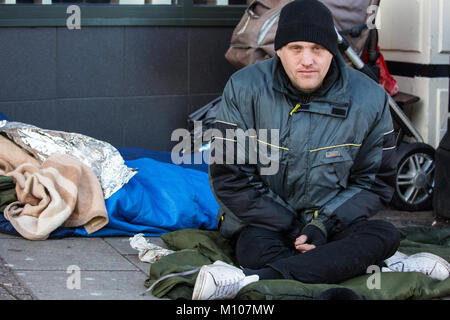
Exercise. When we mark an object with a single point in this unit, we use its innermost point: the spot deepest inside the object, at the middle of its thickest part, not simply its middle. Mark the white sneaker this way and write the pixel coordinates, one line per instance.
(220, 281)
(398, 256)
(427, 263)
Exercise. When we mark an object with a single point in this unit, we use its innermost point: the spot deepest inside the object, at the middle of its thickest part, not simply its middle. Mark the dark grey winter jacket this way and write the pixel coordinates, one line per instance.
(335, 152)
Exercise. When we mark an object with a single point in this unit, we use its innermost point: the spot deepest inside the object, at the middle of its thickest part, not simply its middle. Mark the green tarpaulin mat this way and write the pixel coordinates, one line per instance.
(195, 248)
(7, 191)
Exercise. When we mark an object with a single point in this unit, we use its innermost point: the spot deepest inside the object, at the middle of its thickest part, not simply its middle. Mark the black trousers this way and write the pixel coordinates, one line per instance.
(347, 253)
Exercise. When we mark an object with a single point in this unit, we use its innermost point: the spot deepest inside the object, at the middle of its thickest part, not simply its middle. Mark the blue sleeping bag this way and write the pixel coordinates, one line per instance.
(161, 197)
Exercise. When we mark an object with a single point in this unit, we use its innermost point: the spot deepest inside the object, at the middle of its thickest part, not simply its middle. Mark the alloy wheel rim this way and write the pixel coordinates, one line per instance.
(415, 178)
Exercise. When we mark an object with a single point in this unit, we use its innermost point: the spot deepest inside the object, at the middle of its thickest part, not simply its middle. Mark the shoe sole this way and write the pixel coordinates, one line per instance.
(199, 285)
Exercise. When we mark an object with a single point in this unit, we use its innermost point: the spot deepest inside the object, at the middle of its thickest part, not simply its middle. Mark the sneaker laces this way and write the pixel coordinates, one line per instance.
(227, 287)
(415, 268)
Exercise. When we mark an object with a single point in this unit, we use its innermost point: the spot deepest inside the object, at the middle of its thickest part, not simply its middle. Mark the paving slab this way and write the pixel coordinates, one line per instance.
(143, 266)
(86, 285)
(10, 286)
(72, 269)
(9, 236)
(5, 295)
(122, 244)
(59, 254)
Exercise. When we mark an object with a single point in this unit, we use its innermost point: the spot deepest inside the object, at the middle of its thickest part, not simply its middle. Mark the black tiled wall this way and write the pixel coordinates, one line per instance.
(130, 86)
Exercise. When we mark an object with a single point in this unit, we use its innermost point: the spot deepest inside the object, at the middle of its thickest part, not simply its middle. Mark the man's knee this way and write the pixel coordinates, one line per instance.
(389, 234)
(255, 247)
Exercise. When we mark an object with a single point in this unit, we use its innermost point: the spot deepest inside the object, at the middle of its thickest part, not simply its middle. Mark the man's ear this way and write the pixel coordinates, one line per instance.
(278, 52)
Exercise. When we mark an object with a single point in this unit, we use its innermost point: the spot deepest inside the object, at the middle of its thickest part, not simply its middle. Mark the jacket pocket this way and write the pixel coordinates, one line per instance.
(230, 225)
(330, 168)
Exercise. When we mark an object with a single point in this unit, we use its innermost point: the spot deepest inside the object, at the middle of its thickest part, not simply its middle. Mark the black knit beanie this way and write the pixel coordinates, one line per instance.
(306, 20)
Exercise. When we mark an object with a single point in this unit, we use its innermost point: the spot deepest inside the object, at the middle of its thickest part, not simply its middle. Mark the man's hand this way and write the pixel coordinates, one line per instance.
(301, 245)
(311, 237)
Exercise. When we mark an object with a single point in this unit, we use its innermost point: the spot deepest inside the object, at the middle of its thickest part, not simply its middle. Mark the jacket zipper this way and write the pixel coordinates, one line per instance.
(294, 110)
(308, 165)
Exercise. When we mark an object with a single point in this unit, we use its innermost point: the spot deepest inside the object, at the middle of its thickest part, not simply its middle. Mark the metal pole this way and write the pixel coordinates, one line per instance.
(402, 116)
(361, 66)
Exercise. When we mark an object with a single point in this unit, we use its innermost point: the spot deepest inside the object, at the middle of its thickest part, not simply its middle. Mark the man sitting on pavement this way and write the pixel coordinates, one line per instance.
(309, 220)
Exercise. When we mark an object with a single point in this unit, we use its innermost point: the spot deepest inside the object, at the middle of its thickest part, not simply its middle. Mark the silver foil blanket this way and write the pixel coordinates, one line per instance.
(105, 160)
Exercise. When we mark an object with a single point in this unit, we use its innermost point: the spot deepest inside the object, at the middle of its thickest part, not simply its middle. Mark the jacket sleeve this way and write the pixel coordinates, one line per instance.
(371, 180)
(236, 183)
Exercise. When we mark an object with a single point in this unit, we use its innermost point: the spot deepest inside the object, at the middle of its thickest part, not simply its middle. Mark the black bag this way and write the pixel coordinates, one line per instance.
(207, 116)
(441, 194)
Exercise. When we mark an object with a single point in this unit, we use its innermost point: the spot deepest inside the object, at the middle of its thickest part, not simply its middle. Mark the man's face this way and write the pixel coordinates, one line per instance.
(305, 63)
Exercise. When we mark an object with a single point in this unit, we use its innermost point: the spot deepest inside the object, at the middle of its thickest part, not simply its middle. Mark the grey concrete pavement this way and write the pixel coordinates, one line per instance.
(100, 268)
(72, 268)
(10, 287)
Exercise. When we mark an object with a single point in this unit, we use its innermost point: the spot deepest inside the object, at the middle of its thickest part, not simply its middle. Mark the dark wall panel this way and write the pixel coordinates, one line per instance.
(129, 86)
(40, 113)
(155, 61)
(100, 118)
(27, 63)
(151, 120)
(208, 68)
(90, 62)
